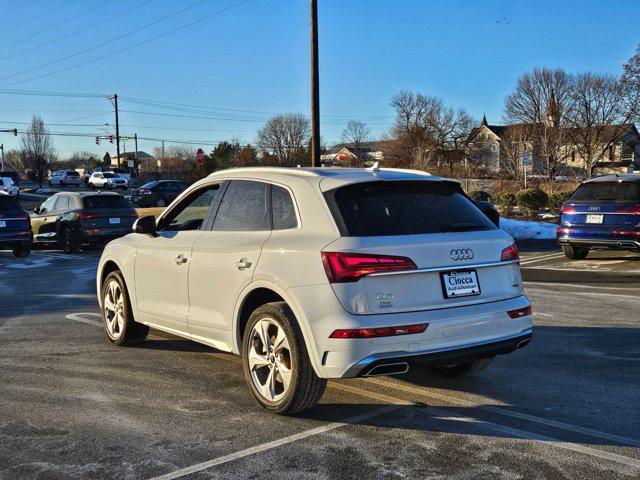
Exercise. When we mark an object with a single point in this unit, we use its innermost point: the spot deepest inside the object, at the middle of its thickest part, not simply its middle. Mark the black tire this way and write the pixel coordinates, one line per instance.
(91, 186)
(132, 332)
(161, 202)
(463, 369)
(21, 251)
(305, 388)
(575, 253)
(69, 240)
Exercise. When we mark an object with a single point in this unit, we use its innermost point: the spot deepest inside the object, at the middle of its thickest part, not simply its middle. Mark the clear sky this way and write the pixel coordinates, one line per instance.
(239, 66)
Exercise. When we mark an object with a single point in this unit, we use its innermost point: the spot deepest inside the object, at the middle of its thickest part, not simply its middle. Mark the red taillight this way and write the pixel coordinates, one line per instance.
(144, 191)
(633, 233)
(521, 312)
(350, 267)
(563, 231)
(567, 209)
(510, 253)
(5, 188)
(630, 210)
(85, 216)
(380, 332)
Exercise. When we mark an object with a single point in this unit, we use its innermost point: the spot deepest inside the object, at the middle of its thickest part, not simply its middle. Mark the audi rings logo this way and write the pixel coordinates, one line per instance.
(461, 254)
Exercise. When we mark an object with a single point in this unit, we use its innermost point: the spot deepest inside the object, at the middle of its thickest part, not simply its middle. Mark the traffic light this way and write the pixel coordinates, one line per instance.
(110, 138)
(97, 140)
(15, 132)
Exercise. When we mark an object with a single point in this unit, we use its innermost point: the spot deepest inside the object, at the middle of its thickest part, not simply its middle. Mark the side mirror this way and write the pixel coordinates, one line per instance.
(36, 210)
(145, 225)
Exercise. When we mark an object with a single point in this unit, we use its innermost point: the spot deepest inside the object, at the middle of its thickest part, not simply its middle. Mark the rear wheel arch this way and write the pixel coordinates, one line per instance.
(261, 293)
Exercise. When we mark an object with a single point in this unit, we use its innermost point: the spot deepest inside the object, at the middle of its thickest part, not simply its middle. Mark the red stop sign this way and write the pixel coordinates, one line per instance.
(199, 156)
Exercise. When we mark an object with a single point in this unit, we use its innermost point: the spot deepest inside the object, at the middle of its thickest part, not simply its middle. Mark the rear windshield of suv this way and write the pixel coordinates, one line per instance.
(105, 201)
(374, 209)
(607, 192)
(7, 203)
(73, 173)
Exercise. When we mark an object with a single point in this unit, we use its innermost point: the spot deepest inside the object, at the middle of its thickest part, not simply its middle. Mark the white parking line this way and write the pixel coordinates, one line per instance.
(541, 259)
(79, 317)
(424, 392)
(443, 413)
(578, 285)
(275, 443)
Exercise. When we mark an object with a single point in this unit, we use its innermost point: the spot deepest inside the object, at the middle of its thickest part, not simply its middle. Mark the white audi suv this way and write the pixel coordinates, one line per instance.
(311, 274)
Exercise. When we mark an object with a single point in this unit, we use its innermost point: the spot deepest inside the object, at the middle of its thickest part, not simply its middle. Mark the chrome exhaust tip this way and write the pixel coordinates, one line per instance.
(388, 369)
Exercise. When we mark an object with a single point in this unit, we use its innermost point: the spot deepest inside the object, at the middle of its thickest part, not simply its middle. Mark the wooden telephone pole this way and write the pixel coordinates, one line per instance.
(315, 88)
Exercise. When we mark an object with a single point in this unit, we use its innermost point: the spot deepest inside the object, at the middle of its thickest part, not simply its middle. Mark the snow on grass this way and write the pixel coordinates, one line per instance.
(521, 229)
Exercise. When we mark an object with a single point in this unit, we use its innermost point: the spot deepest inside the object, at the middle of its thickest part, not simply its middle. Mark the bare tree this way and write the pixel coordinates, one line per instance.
(285, 137)
(630, 83)
(356, 133)
(429, 134)
(36, 151)
(516, 142)
(599, 117)
(541, 101)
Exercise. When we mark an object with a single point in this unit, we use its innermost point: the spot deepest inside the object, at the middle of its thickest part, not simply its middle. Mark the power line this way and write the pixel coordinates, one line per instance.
(84, 29)
(37, 16)
(18, 7)
(182, 27)
(61, 22)
(39, 93)
(199, 108)
(115, 39)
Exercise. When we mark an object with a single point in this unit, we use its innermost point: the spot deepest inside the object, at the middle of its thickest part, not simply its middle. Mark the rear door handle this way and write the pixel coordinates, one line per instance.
(242, 264)
(180, 259)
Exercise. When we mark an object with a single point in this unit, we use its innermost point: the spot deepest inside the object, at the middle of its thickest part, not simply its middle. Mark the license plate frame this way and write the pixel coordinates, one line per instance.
(448, 289)
(114, 221)
(595, 218)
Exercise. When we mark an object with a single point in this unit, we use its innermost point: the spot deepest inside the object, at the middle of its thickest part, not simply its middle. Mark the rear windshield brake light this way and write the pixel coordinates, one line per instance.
(351, 267)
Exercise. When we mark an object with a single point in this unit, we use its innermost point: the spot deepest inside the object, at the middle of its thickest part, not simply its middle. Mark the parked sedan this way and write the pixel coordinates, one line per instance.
(71, 220)
(7, 186)
(157, 194)
(15, 227)
(65, 177)
(107, 180)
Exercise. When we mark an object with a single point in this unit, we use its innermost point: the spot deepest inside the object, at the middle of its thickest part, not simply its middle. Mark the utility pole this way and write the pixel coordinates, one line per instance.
(315, 88)
(114, 97)
(135, 161)
(1, 157)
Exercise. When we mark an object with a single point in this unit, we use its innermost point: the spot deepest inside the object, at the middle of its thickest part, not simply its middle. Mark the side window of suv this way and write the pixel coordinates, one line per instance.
(62, 203)
(243, 208)
(283, 209)
(190, 213)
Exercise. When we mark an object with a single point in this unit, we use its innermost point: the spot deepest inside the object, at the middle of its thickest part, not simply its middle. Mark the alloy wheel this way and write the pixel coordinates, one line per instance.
(114, 309)
(269, 357)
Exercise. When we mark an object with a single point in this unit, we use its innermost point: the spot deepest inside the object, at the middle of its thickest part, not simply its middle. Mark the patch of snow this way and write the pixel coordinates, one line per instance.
(521, 229)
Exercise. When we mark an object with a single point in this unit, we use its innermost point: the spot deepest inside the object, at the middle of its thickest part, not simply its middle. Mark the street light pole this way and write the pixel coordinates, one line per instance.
(315, 88)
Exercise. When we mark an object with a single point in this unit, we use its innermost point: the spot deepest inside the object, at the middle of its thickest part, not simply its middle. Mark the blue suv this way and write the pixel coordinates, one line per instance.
(603, 212)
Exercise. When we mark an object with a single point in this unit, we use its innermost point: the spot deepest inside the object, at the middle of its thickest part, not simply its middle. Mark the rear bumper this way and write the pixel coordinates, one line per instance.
(374, 364)
(12, 239)
(451, 328)
(623, 244)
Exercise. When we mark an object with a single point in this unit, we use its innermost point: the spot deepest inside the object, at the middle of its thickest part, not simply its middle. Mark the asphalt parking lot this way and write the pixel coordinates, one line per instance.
(75, 406)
